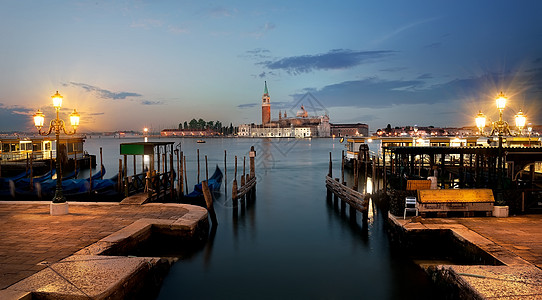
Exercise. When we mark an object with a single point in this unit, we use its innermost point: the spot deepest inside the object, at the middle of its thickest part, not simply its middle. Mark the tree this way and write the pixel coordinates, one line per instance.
(185, 125)
(193, 124)
(218, 126)
(388, 128)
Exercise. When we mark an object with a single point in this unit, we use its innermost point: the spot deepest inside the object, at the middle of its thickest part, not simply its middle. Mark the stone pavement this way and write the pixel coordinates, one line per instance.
(515, 241)
(31, 239)
(521, 235)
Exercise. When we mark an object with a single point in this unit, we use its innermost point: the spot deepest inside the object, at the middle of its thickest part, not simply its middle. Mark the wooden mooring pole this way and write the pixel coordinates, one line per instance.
(206, 169)
(225, 176)
(342, 167)
(329, 174)
(171, 180)
(209, 202)
(247, 190)
(185, 177)
(234, 185)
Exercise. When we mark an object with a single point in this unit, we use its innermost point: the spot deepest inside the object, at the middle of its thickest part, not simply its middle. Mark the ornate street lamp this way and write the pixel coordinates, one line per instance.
(481, 122)
(520, 121)
(59, 205)
(501, 127)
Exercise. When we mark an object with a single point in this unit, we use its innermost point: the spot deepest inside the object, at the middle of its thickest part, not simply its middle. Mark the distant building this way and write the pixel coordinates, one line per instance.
(357, 129)
(188, 132)
(300, 126)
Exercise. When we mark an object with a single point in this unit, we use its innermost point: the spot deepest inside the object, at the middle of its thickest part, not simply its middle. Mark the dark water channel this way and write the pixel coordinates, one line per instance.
(290, 242)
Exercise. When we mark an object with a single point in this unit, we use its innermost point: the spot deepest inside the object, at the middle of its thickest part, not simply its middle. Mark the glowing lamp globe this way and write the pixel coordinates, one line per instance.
(39, 118)
(74, 119)
(501, 101)
(520, 120)
(57, 100)
(480, 121)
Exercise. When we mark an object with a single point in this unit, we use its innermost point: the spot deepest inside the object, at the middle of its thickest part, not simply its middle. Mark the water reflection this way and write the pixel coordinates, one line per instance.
(355, 220)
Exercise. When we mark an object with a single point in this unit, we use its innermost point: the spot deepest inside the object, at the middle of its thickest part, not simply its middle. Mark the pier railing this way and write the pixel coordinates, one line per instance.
(159, 185)
(135, 184)
(248, 181)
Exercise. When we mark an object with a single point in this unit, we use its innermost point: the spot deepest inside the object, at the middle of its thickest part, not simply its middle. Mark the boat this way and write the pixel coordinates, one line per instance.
(200, 141)
(44, 187)
(196, 196)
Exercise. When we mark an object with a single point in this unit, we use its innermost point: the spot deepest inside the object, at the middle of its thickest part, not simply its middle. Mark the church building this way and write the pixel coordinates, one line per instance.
(300, 126)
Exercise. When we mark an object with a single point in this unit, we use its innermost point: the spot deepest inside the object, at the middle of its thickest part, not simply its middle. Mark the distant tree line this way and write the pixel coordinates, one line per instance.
(208, 125)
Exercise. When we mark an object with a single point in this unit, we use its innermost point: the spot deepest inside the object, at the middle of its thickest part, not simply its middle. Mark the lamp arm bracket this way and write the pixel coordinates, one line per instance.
(64, 128)
(51, 126)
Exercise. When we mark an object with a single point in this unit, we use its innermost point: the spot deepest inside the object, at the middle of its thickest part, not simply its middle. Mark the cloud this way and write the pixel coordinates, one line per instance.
(393, 69)
(104, 94)
(257, 54)
(433, 45)
(264, 74)
(404, 28)
(14, 118)
(425, 76)
(247, 105)
(148, 102)
(334, 59)
(378, 93)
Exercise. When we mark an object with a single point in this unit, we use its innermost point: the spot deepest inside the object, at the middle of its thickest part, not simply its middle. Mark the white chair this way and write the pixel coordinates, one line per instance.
(411, 205)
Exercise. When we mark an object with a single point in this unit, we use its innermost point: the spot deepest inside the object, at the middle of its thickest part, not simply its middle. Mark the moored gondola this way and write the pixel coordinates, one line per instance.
(196, 196)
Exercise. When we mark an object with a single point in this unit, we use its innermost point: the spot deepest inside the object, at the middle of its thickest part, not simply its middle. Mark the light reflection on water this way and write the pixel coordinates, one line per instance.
(290, 242)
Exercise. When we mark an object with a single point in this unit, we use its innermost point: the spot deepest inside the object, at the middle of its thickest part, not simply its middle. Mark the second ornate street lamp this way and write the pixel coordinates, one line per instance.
(59, 205)
(500, 128)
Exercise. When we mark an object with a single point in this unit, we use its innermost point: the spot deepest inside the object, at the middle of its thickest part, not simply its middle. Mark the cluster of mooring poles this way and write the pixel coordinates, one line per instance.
(160, 183)
(339, 190)
(247, 189)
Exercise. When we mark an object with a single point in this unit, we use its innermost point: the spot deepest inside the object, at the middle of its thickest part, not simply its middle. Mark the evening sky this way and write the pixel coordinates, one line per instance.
(128, 64)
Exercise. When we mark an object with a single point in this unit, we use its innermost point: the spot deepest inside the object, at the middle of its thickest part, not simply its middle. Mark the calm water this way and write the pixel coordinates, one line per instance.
(289, 243)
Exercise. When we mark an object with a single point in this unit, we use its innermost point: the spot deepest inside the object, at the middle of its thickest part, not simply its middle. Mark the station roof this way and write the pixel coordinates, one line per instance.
(141, 148)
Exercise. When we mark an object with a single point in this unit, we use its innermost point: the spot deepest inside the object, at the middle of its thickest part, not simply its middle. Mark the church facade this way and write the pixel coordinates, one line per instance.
(300, 126)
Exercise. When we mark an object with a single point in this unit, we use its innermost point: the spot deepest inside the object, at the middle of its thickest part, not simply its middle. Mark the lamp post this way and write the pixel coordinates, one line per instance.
(59, 205)
(500, 128)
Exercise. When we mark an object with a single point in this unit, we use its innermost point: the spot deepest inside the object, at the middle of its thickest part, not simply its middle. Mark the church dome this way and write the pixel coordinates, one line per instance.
(302, 113)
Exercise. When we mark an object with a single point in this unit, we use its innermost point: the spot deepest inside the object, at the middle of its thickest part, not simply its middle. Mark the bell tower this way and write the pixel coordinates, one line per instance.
(266, 106)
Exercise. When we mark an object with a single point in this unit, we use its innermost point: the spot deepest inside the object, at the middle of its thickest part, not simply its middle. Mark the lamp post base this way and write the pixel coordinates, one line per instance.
(500, 211)
(59, 209)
